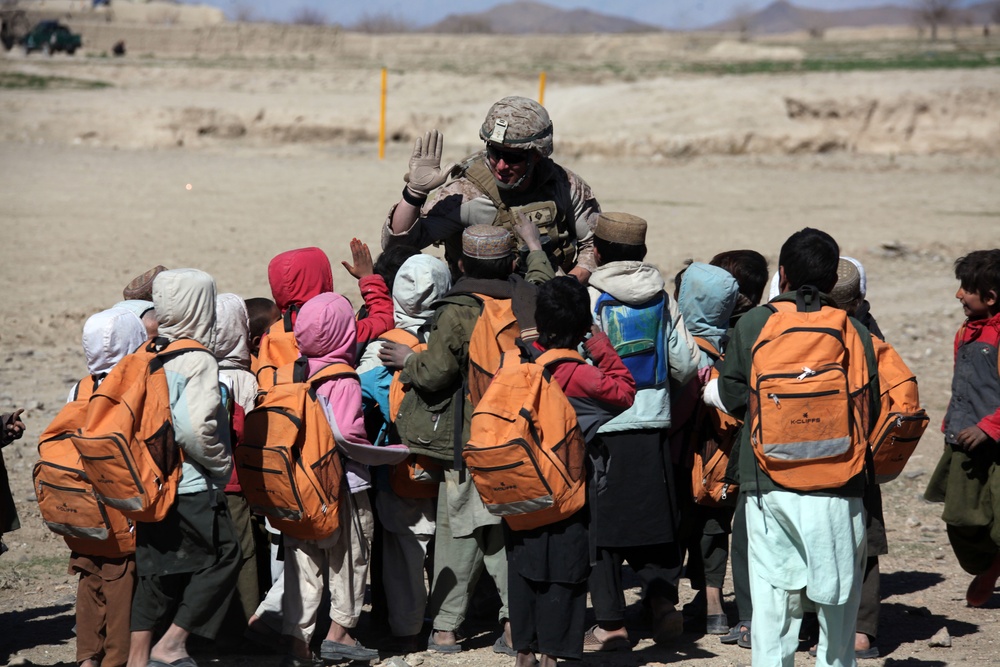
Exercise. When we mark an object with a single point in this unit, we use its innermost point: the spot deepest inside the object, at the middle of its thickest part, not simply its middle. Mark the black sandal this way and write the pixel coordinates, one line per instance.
(736, 633)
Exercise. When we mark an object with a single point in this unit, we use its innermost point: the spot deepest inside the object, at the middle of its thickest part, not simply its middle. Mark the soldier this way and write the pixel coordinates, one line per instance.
(512, 173)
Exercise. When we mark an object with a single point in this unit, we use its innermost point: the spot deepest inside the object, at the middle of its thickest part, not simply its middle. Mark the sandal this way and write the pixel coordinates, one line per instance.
(592, 644)
(442, 648)
(332, 651)
(744, 640)
(502, 647)
(859, 653)
(735, 633)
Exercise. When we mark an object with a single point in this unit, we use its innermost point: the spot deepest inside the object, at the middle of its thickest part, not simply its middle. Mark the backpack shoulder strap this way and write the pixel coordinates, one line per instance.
(86, 387)
(330, 372)
(175, 347)
(554, 356)
(478, 173)
(286, 318)
(708, 348)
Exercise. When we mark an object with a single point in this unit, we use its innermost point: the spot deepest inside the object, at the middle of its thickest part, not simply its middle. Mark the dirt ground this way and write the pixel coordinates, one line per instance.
(220, 165)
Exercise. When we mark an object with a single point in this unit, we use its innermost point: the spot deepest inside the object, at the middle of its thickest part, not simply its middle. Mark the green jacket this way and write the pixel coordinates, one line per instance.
(440, 370)
(734, 390)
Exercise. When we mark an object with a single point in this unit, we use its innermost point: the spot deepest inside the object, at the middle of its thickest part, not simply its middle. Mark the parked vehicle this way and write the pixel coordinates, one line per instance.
(50, 37)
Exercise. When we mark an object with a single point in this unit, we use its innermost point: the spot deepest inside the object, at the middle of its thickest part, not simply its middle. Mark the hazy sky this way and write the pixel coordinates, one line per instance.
(665, 13)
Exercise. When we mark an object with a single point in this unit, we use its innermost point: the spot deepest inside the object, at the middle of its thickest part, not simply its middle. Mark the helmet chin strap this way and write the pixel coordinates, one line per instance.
(519, 182)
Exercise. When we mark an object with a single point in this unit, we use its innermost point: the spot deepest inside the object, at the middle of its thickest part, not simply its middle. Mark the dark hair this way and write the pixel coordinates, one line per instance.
(810, 257)
(562, 313)
(262, 313)
(749, 268)
(979, 272)
(388, 263)
(488, 269)
(619, 252)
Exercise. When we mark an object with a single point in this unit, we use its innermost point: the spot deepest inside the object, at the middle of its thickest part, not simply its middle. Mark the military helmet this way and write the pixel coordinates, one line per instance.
(519, 123)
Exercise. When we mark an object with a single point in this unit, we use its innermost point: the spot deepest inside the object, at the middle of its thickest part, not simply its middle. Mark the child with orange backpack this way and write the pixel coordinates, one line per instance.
(262, 313)
(438, 406)
(967, 468)
(297, 276)
(326, 333)
(187, 563)
(548, 565)
(106, 567)
(804, 477)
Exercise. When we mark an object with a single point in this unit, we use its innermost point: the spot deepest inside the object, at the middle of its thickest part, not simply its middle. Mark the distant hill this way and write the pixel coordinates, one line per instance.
(782, 16)
(525, 17)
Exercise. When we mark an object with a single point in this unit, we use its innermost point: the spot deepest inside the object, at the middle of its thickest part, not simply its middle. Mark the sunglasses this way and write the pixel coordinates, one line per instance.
(510, 157)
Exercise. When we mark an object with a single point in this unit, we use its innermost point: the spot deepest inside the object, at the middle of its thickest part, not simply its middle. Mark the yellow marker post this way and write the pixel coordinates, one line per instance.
(381, 122)
(541, 88)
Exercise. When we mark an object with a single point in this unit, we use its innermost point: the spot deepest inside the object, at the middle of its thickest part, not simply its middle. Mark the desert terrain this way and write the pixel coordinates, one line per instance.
(218, 154)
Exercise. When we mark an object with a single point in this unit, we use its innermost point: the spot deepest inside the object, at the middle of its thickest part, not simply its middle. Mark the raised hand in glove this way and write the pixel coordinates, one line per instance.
(425, 172)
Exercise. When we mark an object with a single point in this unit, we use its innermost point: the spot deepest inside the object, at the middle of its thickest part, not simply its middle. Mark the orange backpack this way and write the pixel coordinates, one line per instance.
(495, 333)
(127, 441)
(809, 396)
(901, 420)
(277, 349)
(398, 388)
(712, 441)
(526, 453)
(419, 475)
(288, 465)
(66, 499)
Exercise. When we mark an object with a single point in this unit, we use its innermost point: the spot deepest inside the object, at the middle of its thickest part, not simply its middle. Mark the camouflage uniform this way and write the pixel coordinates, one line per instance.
(558, 201)
(461, 203)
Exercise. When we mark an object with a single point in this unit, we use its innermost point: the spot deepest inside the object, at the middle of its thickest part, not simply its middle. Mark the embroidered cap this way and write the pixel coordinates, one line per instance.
(141, 287)
(848, 287)
(621, 228)
(487, 242)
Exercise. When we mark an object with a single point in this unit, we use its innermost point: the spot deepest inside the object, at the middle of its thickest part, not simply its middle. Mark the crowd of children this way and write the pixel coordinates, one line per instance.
(658, 383)
(641, 416)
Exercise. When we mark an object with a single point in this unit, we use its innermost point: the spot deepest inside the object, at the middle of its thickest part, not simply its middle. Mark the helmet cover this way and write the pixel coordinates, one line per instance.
(518, 123)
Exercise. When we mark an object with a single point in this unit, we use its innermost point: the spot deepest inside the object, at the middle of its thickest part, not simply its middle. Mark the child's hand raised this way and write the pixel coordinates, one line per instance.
(362, 257)
(528, 232)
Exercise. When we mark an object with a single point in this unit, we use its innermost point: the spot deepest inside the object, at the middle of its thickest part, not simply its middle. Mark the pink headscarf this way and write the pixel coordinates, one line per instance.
(326, 334)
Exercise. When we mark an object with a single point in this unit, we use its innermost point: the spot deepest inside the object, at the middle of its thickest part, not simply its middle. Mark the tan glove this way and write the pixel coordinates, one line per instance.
(425, 172)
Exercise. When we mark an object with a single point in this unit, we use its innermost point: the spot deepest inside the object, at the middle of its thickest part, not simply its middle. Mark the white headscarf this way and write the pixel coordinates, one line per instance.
(110, 335)
(420, 281)
(232, 332)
